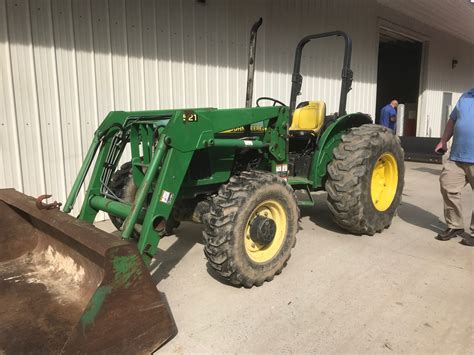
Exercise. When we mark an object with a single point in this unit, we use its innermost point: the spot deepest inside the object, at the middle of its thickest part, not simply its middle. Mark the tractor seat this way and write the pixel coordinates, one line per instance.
(308, 119)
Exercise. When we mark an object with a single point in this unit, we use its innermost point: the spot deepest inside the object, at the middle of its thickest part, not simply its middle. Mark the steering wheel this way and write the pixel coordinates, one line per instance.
(275, 101)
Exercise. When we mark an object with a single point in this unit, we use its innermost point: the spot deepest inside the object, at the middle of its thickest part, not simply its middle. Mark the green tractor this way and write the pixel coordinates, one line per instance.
(236, 171)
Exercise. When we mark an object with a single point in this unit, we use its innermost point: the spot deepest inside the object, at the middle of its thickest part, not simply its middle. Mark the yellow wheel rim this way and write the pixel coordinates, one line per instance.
(263, 253)
(384, 182)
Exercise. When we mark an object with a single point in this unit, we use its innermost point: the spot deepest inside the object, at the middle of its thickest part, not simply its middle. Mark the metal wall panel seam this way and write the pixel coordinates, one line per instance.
(93, 62)
(35, 90)
(58, 101)
(196, 103)
(110, 67)
(127, 57)
(135, 54)
(142, 59)
(94, 80)
(112, 64)
(158, 76)
(74, 165)
(227, 51)
(111, 73)
(157, 99)
(181, 64)
(82, 140)
(206, 56)
(170, 62)
(237, 25)
(150, 62)
(189, 53)
(12, 97)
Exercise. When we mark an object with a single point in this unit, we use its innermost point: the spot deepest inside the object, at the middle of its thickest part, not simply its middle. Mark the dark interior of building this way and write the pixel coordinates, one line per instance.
(398, 75)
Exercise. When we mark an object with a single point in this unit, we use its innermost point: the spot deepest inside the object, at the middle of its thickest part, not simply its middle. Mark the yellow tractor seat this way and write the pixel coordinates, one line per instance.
(308, 119)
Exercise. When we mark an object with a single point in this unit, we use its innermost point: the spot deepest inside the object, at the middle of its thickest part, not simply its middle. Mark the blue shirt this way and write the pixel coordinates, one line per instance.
(385, 114)
(462, 149)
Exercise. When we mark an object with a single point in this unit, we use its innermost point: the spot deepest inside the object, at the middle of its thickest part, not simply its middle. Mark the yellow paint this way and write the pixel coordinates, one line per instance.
(309, 118)
(263, 253)
(253, 129)
(384, 182)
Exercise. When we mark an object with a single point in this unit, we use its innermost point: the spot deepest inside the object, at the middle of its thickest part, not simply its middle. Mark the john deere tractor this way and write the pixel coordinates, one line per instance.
(236, 171)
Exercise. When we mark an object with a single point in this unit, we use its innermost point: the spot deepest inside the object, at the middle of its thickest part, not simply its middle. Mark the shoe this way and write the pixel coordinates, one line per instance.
(449, 233)
(468, 241)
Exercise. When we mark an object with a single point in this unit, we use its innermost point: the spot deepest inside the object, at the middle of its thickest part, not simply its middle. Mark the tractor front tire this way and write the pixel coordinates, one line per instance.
(365, 179)
(251, 228)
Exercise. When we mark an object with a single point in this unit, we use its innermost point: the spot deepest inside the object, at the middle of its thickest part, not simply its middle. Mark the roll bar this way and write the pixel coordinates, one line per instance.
(346, 75)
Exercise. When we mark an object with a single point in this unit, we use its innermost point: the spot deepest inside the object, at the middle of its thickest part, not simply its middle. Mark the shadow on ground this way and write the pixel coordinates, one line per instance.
(320, 215)
(425, 169)
(419, 217)
(187, 236)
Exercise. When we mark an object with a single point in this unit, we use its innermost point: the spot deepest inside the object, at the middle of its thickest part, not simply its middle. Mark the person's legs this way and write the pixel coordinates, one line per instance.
(468, 239)
(452, 181)
(469, 169)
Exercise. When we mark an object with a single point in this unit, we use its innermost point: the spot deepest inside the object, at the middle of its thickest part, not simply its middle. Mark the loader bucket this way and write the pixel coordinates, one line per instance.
(67, 287)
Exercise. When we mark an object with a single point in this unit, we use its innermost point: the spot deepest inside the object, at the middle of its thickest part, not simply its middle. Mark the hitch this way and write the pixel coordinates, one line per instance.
(46, 206)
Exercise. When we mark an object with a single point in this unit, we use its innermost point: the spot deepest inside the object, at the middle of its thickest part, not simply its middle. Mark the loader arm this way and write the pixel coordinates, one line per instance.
(162, 145)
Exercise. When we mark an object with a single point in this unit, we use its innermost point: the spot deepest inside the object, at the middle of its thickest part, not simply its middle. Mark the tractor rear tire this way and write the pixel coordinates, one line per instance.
(230, 251)
(123, 187)
(365, 179)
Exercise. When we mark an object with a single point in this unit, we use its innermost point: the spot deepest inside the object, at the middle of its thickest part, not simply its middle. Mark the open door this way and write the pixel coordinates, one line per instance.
(398, 77)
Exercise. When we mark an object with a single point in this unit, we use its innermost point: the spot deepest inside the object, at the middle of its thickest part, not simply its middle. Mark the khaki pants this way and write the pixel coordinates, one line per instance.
(454, 177)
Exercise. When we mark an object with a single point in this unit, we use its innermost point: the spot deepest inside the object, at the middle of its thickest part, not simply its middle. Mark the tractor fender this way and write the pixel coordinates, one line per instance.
(330, 138)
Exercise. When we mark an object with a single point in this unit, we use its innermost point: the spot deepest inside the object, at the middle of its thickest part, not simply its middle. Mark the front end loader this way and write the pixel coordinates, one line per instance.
(72, 288)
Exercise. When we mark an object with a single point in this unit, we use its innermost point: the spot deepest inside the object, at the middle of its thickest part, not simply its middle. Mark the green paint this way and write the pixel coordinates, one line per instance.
(330, 139)
(125, 267)
(94, 306)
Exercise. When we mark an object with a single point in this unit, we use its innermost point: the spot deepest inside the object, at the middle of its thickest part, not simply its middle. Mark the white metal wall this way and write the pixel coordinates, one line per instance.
(66, 63)
(441, 78)
(440, 49)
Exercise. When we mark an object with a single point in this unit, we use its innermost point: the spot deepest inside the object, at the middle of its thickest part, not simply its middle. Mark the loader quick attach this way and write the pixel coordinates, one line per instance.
(74, 289)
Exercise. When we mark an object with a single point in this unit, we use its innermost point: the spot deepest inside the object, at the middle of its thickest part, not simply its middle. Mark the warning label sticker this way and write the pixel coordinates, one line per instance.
(166, 197)
(282, 171)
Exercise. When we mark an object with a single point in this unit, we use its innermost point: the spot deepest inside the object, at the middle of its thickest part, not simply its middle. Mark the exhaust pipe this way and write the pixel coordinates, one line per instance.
(251, 66)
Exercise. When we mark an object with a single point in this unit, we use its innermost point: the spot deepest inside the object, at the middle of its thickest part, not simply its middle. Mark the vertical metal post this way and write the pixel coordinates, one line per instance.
(400, 119)
(71, 199)
(142, 191)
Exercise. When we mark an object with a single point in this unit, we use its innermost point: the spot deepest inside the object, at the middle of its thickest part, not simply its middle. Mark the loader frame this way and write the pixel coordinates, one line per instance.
(162, 145)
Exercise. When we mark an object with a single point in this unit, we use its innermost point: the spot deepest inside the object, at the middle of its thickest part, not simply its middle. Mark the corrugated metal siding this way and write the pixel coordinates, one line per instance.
(66, 63)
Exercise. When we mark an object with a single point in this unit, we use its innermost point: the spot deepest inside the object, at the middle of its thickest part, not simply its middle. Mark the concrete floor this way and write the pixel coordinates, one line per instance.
(401, 291)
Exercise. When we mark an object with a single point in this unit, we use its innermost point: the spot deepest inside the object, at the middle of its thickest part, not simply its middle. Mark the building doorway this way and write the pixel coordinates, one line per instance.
(398, 77)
